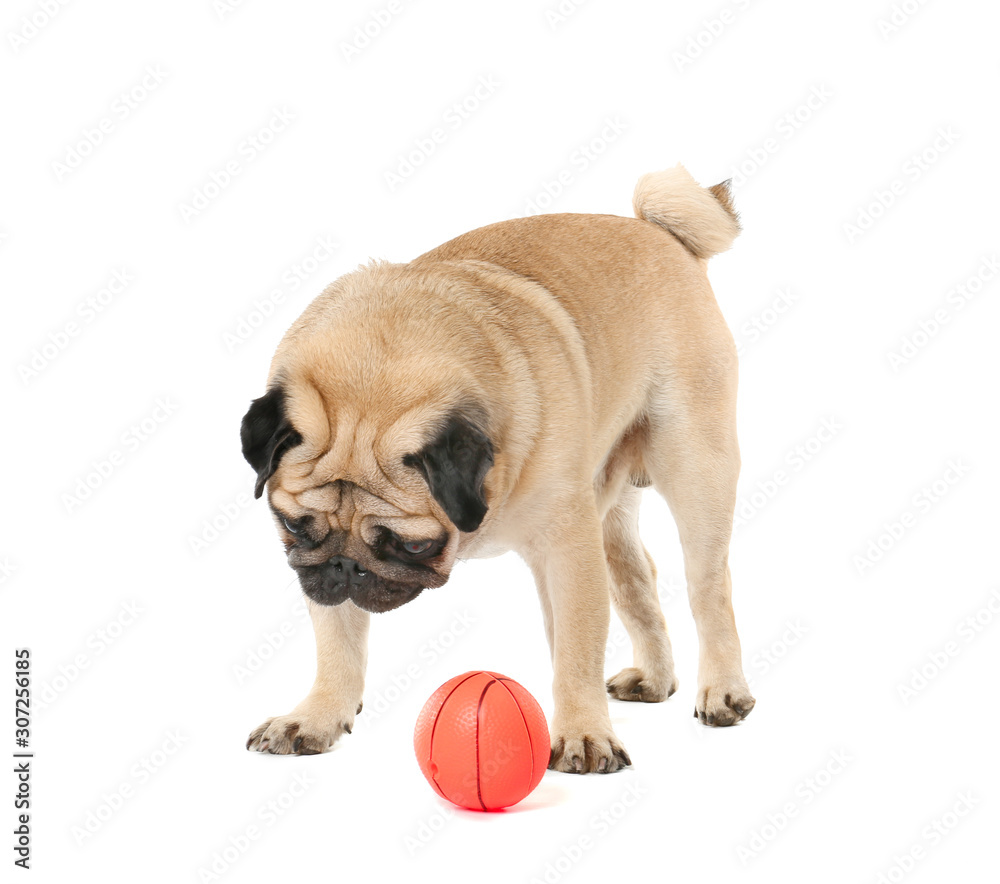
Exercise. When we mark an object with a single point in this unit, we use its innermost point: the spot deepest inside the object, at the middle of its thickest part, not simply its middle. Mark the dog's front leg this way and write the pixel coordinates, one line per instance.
(575, 589)
(330, 707)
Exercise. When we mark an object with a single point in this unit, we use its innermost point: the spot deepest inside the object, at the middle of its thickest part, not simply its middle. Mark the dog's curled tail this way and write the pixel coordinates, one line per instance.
(702, 218)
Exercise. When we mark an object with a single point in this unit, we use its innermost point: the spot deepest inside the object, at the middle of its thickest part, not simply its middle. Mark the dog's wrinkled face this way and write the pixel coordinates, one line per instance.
(347, 542)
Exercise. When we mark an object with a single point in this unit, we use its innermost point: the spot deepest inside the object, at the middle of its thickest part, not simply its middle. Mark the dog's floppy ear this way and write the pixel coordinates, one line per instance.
(455, 463)
(266, 435)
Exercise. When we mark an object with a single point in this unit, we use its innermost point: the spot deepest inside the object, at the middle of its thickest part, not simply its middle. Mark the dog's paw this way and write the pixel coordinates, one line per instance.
(634, 684)
(299, 733)
(724, 705)
(582, 753)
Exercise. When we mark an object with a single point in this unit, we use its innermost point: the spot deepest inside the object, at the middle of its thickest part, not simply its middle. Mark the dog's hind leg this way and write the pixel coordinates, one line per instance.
(651, 678)
(694, 461)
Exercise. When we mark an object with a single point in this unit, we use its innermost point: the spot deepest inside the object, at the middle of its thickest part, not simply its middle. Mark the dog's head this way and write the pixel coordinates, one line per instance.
(369, 502)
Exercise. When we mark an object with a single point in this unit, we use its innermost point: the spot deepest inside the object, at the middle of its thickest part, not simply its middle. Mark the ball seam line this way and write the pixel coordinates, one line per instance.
(527, 730)
(479, 711)
(437, 717)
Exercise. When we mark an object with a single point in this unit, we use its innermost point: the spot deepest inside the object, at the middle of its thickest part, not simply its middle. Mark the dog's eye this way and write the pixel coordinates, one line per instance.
(289, 527)
(415, 547)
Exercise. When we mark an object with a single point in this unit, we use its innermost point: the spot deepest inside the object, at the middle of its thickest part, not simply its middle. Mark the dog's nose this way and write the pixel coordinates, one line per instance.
(344, 571)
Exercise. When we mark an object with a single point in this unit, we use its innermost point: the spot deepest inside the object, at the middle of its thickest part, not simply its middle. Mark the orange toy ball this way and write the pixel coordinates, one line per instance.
(482, 741)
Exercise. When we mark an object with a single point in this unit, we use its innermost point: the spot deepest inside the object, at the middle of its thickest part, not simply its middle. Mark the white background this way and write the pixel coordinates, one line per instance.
(829, 635)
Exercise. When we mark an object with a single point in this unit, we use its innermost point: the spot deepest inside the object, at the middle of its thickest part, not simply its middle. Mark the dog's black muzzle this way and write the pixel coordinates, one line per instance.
(340, 578)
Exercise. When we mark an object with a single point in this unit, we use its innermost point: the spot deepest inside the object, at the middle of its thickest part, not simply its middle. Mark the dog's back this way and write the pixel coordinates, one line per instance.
(634, 286)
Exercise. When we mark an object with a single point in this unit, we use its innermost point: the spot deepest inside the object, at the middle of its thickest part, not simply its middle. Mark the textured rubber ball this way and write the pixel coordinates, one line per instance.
(482, 741)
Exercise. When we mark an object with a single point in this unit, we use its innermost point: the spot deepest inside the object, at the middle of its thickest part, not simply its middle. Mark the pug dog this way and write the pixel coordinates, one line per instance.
(515, 389)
